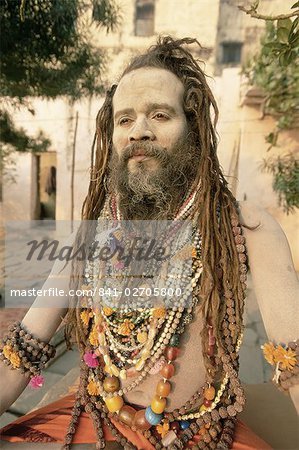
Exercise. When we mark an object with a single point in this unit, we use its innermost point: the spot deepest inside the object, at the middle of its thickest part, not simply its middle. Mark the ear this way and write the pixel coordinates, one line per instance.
(193, 100)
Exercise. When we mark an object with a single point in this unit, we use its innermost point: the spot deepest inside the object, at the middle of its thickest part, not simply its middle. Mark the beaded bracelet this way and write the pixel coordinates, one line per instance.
(21, 351)
(285, 359)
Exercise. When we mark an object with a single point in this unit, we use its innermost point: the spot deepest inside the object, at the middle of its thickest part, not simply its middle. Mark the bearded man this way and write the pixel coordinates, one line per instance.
(168, 378)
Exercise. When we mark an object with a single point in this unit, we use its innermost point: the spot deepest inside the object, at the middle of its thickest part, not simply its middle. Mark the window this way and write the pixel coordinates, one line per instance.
(231, 52)
(145, 12)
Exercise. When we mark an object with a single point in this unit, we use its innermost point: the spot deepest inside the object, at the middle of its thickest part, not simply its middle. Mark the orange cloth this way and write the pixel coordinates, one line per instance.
(49, 424)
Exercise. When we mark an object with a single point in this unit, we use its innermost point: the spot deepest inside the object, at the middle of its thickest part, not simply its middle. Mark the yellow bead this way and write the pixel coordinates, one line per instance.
(145, 353)
(123, 374)
(158, 404)
(142, 337)
(108, 370)
(111, 384)
(114, 370)
(202, 408)
(114, 403)
(140, 364)
(209, 393)
(163, 388)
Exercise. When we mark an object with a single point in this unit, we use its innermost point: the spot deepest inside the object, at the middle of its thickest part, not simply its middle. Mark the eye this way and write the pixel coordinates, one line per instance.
(124, 121)
(160, 116)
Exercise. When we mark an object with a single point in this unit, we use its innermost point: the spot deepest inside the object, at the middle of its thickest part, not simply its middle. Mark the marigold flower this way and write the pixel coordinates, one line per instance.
(159, 313)
(269, 352)
(85, 317)
(286, 358)
(93, 337)
(163, 429)
(93, 388)
(7, 349)
(126, 327)
(15, 360)
(107, 311)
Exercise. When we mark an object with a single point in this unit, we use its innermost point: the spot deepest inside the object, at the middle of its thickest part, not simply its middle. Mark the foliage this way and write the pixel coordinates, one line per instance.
(46, 54)
(46, 51)
(275, 69)
(285, 170)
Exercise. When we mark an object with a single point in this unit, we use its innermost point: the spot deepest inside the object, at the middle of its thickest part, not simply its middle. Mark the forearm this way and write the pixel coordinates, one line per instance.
(42, 324)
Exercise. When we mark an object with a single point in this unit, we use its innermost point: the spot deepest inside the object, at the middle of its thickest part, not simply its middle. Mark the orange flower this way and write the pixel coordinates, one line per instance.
(93, 388)
(107, 311)
(15, 360)
(7, 349)
(158, 313)
(93, 337)
(85, 317)
(269, 352)
(163, 429)
(126, 327)
(286, 358)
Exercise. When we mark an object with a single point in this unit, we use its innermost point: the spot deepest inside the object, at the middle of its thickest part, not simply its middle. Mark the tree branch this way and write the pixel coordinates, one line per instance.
(256, 15)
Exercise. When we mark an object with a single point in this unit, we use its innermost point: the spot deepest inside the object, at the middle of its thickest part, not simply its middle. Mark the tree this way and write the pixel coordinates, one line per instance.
(46, 51)
(275, 69)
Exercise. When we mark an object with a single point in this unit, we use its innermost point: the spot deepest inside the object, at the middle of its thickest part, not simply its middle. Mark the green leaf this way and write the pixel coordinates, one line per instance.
(295, 24)
(294, 42)
(284, 59)
(274, 45)
(284, 23)
(295, 5)
(283, 35)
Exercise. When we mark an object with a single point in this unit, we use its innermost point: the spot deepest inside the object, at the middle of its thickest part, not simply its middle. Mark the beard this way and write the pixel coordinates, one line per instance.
(149, 194)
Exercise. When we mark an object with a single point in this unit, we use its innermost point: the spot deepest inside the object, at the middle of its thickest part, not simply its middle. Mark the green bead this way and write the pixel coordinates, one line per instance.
(174, 340)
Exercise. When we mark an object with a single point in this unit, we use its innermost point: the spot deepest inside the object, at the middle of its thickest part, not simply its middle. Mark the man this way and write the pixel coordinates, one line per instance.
(156, 160)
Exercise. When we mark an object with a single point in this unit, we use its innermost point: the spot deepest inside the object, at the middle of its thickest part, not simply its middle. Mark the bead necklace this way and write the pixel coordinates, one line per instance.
(212, 426)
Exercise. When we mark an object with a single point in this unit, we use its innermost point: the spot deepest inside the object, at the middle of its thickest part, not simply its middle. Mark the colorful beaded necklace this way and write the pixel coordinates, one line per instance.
(113, 355)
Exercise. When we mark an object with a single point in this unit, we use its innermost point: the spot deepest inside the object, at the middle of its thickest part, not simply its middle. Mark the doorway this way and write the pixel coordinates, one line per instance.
(44, 175)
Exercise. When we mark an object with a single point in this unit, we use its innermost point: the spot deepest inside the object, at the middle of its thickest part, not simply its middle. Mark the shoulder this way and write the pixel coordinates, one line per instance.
(258, 220)
(264, 237)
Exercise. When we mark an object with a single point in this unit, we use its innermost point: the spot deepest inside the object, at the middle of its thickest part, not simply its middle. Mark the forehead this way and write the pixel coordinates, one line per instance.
(149, 85)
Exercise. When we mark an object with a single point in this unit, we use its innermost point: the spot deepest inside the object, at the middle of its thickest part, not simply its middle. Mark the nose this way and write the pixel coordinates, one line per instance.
(141, 131)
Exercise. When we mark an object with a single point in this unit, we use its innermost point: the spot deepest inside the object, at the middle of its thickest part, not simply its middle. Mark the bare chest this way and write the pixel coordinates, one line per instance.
(189, 374)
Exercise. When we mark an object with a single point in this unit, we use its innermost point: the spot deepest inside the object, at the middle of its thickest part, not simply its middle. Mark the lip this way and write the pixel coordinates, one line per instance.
(139, 158)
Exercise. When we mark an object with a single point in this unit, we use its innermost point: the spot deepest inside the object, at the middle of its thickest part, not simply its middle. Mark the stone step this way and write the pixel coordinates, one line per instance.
(7, 418)
(65, 362)
(69, 383)
(31, 397)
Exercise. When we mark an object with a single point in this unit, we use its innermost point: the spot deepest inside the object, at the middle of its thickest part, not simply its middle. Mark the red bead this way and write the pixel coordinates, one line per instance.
(126, 415)
(163, 388)
(191, 444)
(175, 426)
(196, 438)
(140, 421)
(171, 353)
(167, 371)
(207, 402)
(210, 351)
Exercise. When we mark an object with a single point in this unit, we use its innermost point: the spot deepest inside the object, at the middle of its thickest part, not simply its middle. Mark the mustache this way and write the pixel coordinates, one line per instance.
(147, 148)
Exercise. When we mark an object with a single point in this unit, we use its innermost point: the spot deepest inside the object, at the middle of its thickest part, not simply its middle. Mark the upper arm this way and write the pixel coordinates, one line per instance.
(274, 277)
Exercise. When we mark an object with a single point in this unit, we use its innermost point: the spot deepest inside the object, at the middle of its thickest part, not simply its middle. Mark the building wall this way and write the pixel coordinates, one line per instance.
(236, 26)
(241, 125)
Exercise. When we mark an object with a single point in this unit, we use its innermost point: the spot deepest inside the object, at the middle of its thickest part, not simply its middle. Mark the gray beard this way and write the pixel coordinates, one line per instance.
(151, 195)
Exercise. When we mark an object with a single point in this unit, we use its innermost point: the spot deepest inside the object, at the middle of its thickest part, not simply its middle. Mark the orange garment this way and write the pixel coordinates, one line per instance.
(49, 424)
